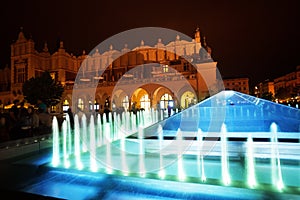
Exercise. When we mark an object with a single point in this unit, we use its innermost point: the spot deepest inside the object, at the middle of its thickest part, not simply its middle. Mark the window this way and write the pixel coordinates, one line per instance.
(90, 106)
(52, 74)
(65, 105)
(165, 68)
(145, 102)
(125, 102)
(187, 99)
(80, 104)
(186, 67)
(53, 109)
(164, 100)
(21, 75)
(96, 106)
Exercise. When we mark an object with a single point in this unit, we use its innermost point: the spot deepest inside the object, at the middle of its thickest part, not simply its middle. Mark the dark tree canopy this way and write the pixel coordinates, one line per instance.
(282, 93)
(43, 88)
(268, 96)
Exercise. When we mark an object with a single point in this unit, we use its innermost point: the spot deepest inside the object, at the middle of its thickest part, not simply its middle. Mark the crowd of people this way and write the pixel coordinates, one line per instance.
(24, 122)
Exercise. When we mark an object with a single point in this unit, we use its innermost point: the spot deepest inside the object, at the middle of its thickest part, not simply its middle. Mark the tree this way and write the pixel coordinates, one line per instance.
(43, 88)
(268, 96)
(282, 93)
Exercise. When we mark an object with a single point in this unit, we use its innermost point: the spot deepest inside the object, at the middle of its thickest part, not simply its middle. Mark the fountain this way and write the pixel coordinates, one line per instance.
(93, 155)
(224, 161)
(180, 169)
(162, 172)
(142, 169)
(140, 145)
(200, 160)
(56, 150)
(77, 146)
(275, 159)
(250, 163)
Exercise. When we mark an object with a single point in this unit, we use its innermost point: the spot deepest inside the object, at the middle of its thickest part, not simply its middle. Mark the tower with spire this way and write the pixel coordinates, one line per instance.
(197, 35)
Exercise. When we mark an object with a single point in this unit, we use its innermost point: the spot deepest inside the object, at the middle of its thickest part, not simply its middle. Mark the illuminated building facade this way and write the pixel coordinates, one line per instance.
(290, 83)
(160, 67)
(264, 87)
(239, 84)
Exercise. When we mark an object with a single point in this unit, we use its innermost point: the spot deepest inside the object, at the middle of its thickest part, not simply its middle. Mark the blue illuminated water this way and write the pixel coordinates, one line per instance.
(235, 148)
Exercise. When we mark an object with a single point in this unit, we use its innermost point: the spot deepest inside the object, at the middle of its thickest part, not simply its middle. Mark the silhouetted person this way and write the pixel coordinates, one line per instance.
(158, 109)
(106, 113)
(34, 120)
(23, 114)
(133, 108)
(42, 107)
(14, 125)
(169, 110)
(14, 111)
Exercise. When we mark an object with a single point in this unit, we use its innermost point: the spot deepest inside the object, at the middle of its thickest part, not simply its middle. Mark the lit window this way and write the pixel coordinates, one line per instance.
(80, 104)
(52, 74)
(165, 68)
(21, 75)
(96, 106)
(164, 100)
(90, 105)
(65, 105)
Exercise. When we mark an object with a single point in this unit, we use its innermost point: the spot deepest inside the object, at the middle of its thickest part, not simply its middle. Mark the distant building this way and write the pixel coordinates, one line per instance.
(239, 84)
(264, 87)
(4, 86)
(289, 83)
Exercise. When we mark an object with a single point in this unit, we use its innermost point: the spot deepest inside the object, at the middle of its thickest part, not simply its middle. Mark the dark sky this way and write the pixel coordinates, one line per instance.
(258, 39)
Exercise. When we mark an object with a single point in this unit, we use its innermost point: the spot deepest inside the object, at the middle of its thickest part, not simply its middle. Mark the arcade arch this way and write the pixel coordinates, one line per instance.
(187, 99)
(142, 98)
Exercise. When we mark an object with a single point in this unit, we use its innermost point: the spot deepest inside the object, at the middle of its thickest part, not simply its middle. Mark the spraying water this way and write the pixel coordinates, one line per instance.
(77, 147)
(250, 163)
(55, 156)
(275, 159)
(180, 170)
(141, 152)
(65, 152)
(162, 172)
(93, 155)
(200, 160)
(224, 162)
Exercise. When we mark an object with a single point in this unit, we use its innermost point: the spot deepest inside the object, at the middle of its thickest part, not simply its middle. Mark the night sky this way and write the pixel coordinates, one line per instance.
(257, 39)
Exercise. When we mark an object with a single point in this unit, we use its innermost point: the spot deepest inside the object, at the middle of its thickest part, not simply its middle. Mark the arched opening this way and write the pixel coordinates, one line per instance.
(188, 99)
(145, 102)
(142, 99)
(166, 101)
